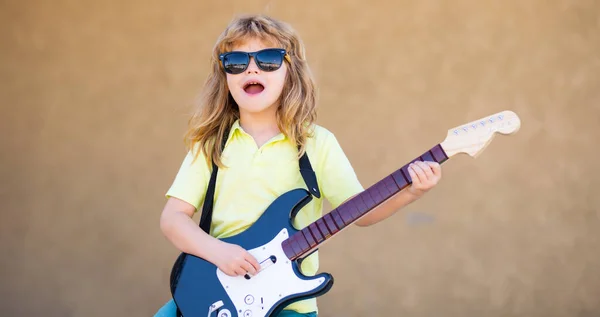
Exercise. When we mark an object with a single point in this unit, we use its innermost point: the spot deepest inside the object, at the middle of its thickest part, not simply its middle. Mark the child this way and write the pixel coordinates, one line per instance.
(266, 102)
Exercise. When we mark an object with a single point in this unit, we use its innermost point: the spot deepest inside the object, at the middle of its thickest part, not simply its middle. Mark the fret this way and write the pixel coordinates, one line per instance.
(439, 154)
(383, 190)
(368, 199)
(295, 246)
(345, 212)
(348, 210)
(285, 244)
(399, 178)
(338, 220)
(360, 206)
(315, 232)
(330, 224)
(302, 242)
(309, 233)
(321, 225)
(356, 210)
(289, 252)
(391, 186)
(406, 174)
(289, 248)
(427, 156)
(376, 192)
(309, 238)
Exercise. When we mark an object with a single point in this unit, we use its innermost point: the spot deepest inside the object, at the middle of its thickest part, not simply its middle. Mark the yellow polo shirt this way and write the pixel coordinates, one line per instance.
(254, 177)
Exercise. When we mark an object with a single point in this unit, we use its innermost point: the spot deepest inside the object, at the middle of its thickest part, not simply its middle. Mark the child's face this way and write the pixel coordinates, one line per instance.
(262, 97)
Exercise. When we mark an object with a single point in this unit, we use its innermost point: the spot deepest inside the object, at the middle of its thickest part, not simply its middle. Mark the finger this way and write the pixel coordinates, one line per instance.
(249, 268)
(420, 172)
(239, 271)
(436, 168)
(229, 272)
(427, 169)
(414, 175)
(252, 260)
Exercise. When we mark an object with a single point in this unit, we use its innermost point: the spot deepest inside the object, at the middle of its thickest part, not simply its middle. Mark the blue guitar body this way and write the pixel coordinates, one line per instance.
(200, 289)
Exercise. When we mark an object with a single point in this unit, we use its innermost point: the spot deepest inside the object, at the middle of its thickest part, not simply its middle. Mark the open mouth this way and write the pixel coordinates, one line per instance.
(253, 88)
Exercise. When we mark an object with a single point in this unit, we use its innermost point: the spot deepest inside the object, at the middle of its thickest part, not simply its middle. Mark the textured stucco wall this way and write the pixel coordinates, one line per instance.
(95, 98)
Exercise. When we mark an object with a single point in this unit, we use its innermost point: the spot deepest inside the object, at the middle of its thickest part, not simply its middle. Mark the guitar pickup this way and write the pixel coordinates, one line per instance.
(263, 265)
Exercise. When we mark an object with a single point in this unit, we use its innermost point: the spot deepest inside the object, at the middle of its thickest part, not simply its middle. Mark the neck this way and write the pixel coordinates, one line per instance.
(261, 126)
(303, 242)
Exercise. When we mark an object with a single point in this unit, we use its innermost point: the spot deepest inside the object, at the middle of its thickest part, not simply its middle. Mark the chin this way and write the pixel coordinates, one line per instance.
(255, 106)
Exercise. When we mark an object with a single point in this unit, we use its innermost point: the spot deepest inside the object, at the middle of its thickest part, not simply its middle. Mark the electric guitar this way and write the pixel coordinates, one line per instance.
(200, 289)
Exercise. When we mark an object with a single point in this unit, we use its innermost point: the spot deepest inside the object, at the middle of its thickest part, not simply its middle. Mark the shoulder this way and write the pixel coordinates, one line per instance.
(320, 137)
(196, 158)
(322, 143)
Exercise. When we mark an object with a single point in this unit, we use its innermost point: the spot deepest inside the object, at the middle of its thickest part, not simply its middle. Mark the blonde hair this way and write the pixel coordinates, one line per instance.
(217, 110)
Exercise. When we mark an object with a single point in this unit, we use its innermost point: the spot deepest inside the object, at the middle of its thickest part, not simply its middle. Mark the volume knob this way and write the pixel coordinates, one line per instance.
(225, 313)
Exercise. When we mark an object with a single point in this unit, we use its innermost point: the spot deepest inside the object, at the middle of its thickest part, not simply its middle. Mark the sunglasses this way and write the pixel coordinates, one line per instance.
(268, 60)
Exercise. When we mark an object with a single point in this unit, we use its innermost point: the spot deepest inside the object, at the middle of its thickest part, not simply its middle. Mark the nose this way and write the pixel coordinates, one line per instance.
(252, 67)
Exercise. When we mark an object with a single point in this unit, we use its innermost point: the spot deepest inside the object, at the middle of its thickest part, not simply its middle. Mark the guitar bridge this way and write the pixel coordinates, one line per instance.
(214, 307)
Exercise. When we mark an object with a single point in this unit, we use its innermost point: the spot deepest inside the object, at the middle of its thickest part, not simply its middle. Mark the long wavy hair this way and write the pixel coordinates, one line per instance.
(216, 110)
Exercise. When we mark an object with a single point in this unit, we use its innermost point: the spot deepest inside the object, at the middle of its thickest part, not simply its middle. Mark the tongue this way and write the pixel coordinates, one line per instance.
(254, 89)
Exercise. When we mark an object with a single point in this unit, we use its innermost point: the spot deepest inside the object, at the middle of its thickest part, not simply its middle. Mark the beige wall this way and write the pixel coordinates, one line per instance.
(95, 96)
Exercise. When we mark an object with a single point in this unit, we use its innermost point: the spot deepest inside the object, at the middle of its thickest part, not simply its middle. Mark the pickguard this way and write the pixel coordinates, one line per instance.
(256, 296)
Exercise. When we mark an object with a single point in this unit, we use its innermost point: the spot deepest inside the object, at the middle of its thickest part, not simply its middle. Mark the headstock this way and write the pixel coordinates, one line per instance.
(473, 137)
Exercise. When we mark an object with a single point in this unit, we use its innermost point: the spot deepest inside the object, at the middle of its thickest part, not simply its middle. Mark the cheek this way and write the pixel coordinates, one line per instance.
(280, 78)
(230, 81)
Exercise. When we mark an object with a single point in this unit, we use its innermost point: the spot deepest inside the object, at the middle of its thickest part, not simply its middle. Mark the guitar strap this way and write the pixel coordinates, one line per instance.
(207, 207)
(306, 170)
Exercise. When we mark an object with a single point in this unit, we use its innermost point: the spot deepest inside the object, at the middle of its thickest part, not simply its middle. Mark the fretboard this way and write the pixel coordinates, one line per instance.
(305, 241)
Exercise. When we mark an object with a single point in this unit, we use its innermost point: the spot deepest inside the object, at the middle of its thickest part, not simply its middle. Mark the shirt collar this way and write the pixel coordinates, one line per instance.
(237, 127)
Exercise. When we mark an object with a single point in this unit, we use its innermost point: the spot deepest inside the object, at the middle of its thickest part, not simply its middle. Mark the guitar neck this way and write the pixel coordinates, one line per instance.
(305, 241)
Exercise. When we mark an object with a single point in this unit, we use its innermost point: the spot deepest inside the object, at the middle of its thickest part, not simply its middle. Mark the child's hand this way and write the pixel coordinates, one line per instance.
(424, 176)
(233, 260)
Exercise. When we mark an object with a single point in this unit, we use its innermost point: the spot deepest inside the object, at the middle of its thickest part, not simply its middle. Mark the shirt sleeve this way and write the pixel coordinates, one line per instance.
(338, 179)
(191, 181)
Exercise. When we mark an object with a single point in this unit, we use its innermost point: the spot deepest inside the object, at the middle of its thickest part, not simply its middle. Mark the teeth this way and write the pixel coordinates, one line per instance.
(251, 83)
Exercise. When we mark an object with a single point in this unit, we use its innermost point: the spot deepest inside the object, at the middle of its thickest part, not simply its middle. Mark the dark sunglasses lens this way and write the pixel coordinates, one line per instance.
(269, 60)
(235, 63)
